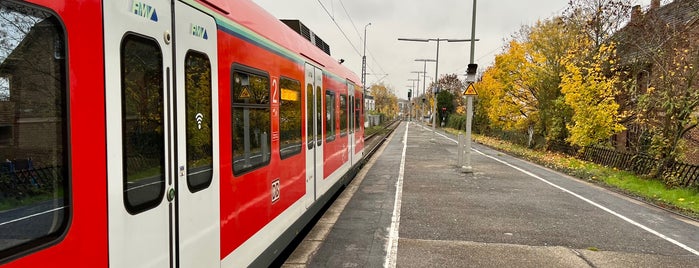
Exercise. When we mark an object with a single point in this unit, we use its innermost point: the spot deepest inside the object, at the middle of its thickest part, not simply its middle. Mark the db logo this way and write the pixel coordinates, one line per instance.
(276, 190)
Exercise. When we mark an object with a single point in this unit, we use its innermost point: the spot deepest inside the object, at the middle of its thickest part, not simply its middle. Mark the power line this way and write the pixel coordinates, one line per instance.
(347, 38)
(360, 36)
(351, 21)
(340, 28)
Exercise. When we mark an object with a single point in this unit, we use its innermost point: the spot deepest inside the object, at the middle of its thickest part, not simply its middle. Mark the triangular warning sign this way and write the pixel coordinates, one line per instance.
(471, 90)
(245, 93)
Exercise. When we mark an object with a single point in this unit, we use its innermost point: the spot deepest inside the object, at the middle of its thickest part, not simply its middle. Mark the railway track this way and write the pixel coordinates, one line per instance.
(371, 144)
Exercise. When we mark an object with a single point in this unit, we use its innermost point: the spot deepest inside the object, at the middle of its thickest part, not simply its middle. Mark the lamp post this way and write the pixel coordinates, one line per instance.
(436, 72)
(364, 65)
(410, 90)
(424, 71)
(418, 85)
(424, 81)
(471, 73)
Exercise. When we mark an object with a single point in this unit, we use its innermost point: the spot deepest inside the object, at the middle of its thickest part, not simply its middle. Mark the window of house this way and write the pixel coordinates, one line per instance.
(4, 88)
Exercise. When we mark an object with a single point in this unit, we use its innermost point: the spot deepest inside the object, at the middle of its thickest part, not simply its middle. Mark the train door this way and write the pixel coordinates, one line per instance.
(147, 151)
(314, 131)
(197, 180)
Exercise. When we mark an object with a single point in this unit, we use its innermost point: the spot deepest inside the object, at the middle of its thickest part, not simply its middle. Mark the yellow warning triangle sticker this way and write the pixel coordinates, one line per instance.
(471, 90)
(245, 94)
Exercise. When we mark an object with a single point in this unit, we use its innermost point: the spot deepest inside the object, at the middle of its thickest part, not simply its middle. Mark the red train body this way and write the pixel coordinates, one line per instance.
(148, 133)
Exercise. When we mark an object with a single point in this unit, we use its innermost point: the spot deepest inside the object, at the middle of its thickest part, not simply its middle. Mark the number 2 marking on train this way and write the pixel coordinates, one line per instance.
(276, 190)
(275, 91)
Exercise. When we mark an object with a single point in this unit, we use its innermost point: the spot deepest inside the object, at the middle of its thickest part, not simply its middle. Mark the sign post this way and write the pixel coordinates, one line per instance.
(470, 78)
(469, 92)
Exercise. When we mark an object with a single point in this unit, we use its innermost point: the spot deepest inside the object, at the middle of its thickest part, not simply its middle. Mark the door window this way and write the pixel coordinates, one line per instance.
(142, 123)
(197, 84)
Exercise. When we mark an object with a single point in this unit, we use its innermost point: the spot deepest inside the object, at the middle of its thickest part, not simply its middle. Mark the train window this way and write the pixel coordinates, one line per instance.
(199, 122)
(343, 115)
(319, 112)
(357, 113)
(142, 123)
(34, 174)
(251, 119)
(351, 115)
(330, 115)
(309, 116)
(290, 117)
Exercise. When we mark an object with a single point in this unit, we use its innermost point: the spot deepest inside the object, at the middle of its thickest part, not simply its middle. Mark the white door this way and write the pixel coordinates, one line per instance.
(162, 175)
(138, 78)
(197, 188)
(314, 131)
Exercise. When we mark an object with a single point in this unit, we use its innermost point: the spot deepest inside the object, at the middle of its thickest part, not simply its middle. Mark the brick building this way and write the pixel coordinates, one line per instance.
(646, 46)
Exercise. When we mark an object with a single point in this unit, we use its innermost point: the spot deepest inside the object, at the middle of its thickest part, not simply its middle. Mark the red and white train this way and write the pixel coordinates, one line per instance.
(151, 133)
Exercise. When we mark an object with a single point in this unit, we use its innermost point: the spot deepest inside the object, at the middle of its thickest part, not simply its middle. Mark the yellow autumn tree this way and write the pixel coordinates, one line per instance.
(514, 104)
(589, 86)
(385, 100)
(523, 86)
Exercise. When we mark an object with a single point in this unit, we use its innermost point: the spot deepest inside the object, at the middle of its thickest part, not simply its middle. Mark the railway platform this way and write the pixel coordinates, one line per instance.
(412, 206)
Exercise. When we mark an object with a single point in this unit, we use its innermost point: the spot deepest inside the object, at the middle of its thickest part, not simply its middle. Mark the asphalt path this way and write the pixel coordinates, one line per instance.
(413, 207)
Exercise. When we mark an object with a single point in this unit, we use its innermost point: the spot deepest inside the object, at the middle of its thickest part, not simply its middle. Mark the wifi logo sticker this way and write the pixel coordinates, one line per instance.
(200, 118)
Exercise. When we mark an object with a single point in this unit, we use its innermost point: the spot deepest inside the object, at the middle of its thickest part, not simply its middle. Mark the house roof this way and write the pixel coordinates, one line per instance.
(648, 33)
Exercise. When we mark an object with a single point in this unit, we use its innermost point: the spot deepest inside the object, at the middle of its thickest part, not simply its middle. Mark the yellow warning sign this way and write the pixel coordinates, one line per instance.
(471, 90)
(245, 93)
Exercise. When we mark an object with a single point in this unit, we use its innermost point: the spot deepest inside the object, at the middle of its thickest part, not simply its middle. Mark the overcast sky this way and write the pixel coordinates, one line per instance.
(392, 61)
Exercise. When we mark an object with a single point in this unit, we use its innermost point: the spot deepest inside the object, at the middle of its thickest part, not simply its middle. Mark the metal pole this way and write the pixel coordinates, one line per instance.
(473, 32)
(424, 81)
(434, 93)
(364, 72)
(424, 86)
(469, 99)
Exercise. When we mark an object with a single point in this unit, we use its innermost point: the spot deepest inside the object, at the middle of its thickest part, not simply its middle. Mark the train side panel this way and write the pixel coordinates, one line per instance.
(260, 196)
(75, 177)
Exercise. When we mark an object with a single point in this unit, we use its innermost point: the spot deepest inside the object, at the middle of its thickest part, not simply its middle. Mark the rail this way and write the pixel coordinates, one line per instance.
(390, 127)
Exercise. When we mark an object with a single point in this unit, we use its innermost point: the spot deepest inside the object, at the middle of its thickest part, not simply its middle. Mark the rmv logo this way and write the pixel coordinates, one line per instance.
(144, 10)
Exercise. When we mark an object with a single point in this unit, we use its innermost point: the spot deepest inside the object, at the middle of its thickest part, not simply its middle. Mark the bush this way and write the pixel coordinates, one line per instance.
(457, 121)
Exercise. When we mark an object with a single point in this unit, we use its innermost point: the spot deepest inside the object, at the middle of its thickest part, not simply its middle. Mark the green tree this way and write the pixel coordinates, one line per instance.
(445, 104)
(451, 83)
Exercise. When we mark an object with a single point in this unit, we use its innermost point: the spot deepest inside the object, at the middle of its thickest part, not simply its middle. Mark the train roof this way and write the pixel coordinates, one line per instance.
(250, 21)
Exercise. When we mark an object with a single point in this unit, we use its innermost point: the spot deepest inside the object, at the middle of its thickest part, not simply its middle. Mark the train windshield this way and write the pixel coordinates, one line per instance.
(33, 128)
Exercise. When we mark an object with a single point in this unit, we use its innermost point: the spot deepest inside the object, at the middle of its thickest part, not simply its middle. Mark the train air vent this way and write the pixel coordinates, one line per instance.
(301, 29)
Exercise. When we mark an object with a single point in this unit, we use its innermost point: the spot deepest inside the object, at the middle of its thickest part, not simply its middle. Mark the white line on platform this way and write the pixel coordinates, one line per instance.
(647, 229)
(392, 243)
(33, 215)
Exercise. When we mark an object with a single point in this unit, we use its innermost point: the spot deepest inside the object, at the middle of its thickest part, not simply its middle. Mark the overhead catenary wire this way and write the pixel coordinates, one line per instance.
(340, 28)
(347, 37)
